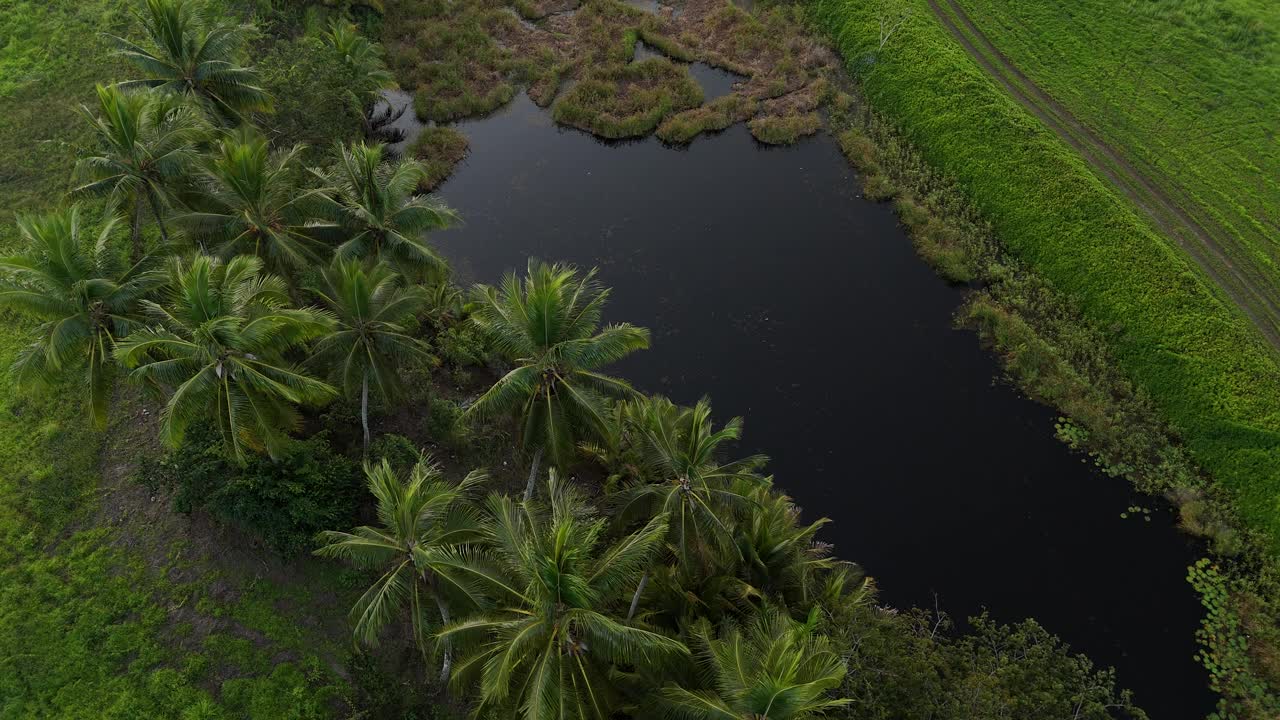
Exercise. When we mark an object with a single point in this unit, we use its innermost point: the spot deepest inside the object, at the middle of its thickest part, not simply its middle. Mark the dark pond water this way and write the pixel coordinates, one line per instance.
(770, 285)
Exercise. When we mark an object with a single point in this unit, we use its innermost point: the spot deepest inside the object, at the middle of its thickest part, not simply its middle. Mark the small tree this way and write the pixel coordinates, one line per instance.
(144, 143)
(86, 301)
(188, 56)
(369, 340)
(774, 669)
(426, 549)
(547, 326)
(892, 15)
(365, 61)
(218, 348)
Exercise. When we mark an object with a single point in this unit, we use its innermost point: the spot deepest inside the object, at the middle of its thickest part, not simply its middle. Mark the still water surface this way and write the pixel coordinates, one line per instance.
(773, 287)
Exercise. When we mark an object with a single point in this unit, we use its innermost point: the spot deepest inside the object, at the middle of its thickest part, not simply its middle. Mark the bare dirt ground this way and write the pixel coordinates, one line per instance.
(1255, 297)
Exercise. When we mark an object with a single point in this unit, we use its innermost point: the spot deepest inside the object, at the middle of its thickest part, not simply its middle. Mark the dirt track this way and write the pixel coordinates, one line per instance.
(1256, 297)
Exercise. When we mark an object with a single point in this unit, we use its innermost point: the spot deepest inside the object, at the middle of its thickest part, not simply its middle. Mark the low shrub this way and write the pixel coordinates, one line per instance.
(443, 424)
(285, 502)
(395, 449)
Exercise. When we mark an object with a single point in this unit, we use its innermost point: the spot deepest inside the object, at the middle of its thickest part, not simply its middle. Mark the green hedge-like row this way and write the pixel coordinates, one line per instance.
(1207, 368)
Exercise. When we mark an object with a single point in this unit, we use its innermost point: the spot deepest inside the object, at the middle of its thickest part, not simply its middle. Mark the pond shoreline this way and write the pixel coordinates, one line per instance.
(1010, 306)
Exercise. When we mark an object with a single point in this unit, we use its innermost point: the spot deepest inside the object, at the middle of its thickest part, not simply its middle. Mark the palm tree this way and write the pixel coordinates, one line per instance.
(188, 56)
(426, 549)
(370, 338)
(218, 345)
(381, 215)
(701, 495)
(144, 143)
(781, 556)
(778, 669)
(75, 285)
(254, 204)
(549, 651)
(365, 60)
(547, 326)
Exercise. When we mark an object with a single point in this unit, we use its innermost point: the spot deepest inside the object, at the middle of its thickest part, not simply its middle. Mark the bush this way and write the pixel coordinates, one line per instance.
(1016, 671)
(284, 502)
(443, 423)
(395, 449)
(313, 103)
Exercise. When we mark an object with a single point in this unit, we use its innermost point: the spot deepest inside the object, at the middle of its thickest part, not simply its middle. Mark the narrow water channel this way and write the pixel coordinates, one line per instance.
(772, 287)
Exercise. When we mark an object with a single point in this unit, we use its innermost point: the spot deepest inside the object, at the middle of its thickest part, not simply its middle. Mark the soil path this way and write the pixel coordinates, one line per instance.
(1256, 296)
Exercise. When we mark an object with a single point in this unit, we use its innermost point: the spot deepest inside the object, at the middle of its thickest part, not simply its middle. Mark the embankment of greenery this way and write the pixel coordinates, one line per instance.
(1207, 369)
(1074, 319)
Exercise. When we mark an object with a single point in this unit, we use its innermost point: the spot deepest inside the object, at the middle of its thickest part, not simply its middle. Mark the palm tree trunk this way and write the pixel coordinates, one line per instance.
(155, 210)
(635, 599)
(533, 473)
(447, 666)
(135, 230)
(364, 410)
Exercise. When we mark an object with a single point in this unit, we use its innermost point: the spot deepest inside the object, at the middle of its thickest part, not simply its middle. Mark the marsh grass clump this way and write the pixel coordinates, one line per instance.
(784, 129)
(937, 242)
(440, 149)
(652, 36)
(448, 54)
(712, 117)
(628, 100)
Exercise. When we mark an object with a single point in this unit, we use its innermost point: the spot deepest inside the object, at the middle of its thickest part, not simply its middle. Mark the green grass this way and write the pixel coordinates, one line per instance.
(90, 628)
(1188, 90)
(1204, 365)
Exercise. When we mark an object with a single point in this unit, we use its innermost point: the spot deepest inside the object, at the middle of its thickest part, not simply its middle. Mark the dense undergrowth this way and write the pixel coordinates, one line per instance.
(1087, 298)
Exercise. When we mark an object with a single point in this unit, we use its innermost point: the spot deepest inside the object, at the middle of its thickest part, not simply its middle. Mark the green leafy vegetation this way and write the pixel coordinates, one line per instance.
(1186, 90)
(623, 583)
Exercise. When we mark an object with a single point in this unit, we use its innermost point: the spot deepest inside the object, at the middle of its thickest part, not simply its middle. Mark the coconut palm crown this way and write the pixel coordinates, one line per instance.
(144, 143)
(188, 55)
(548, 326)
(548, 648)
(773, 669)
(74, 283)
(381, 215)
(217, 346)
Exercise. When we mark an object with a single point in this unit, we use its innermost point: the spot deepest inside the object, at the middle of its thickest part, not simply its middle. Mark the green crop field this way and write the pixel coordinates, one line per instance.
(1186, 90)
